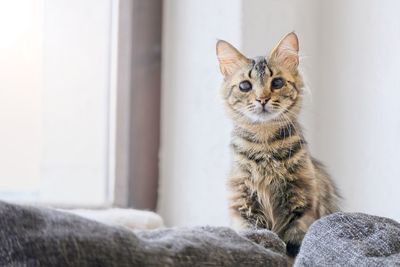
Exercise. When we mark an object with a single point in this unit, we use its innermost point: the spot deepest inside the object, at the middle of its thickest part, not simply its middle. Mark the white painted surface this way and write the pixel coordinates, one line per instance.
(54, 100)
(75, 101)
(350, 61)
(195, 133)
(20, 94)
(358, 119)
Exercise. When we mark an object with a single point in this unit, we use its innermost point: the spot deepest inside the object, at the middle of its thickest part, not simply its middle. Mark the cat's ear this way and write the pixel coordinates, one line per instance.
(286, 53)
(230, 59)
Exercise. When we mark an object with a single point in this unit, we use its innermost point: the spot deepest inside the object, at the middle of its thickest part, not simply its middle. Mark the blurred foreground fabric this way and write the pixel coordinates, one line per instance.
(32, 236)
(351, 239)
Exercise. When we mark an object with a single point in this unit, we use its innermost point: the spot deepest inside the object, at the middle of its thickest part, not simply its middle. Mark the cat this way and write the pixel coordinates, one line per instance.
(274, 181)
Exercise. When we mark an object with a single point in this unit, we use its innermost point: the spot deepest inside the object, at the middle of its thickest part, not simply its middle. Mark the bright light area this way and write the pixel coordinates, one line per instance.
(21, 83)
(54, 100)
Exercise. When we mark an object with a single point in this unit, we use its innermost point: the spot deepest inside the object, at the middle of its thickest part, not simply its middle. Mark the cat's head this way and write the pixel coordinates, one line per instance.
(261, 89)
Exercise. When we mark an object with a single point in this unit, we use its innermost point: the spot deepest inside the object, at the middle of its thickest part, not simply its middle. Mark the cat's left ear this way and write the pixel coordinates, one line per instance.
(230, 59)
(286, 53)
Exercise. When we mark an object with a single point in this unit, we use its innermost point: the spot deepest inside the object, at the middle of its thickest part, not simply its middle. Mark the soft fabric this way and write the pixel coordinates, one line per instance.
(351, 239)
(131, 218)
(42, 237)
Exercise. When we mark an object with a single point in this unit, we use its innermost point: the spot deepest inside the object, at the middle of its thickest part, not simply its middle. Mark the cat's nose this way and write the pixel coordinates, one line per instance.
(263, 100)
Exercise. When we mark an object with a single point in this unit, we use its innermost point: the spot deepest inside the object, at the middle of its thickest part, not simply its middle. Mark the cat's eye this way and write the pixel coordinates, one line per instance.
(245, 86)
(277, 83)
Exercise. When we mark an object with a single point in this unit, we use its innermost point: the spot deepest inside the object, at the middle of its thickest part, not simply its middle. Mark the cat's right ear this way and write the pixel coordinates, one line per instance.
(230, 59)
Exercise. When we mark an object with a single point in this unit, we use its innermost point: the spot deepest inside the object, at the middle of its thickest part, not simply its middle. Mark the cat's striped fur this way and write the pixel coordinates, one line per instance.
(275, 183)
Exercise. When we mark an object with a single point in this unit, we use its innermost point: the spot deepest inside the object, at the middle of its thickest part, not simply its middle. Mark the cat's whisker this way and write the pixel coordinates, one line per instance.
(286, 121)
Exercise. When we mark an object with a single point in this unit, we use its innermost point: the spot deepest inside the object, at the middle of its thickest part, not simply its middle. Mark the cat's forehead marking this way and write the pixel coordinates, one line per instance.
(260, 65)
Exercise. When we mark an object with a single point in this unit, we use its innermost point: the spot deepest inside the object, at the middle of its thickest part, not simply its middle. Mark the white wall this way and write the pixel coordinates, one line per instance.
(350, 60)
(20, 93)
(358, 118)
(54, 100)
(195, 134)
(77, 48)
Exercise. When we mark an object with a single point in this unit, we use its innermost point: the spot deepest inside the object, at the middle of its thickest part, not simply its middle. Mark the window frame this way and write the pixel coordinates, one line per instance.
(129, 183)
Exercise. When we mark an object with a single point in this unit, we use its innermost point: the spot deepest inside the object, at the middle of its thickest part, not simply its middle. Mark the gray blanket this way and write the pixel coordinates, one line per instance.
(42, 237)
(351, 239)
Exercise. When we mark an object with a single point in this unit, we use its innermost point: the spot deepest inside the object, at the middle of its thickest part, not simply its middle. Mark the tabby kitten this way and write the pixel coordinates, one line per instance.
(275, 183)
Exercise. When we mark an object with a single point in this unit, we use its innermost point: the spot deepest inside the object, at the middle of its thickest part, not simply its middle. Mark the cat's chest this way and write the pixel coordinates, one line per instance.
(261, 203)
(259, 161)
(268, 169)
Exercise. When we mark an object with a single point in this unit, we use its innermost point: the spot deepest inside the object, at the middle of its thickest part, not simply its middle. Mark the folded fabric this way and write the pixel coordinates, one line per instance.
(351, 239)
(32, 236)
(131, 218)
